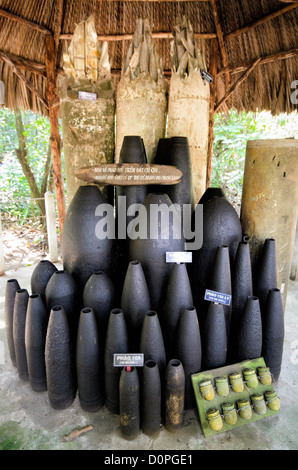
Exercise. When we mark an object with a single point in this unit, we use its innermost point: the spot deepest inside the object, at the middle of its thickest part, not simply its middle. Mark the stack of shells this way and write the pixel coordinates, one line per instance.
(62, 338)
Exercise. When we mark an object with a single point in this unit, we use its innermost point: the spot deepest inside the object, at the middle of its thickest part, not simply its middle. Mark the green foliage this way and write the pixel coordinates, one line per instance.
(230, 138)
(14, 189)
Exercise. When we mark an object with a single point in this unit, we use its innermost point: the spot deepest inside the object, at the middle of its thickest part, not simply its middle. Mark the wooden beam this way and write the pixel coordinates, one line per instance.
(50, 61)
(30, 24)
(26, 64)
(22, 77)
(221, 44)
(237, 84)
(128, 37)
(263, 20)
(213, 71)
(264, 60)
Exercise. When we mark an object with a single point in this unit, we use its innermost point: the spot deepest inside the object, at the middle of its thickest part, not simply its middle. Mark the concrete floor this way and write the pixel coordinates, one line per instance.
(28, 422)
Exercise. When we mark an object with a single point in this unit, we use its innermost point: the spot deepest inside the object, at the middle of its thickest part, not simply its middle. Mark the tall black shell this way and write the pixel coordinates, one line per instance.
(250, 331)
(178, 297)
(100, 294)
(174, 395)
(129, 403)
(116, 342)
(19, 325)
(221, 226)
(150, 399)
(62, 290)
(214, 349)
(60, 365)
(89, 363)
(36, 327)
(41, 275)
(242, 287)
(189, 350)
(135, 302)
(220, 281)
(265, 275)
(87, 245)
(151, 341)
(12, 286)
(178, 154)
(273, 332)
(160, 225)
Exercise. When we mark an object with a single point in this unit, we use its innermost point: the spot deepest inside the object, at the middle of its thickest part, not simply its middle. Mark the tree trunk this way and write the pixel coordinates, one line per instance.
(21, 153)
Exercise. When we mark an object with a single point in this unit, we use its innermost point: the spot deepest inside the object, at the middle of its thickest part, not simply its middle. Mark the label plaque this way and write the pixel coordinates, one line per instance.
(130, 174)
(86, 95)
(128, 360)
(178, 257)
(218, 297)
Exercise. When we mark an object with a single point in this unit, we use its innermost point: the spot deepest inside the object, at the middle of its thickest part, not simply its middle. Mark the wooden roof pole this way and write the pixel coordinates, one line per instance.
(30, 24)
(213, 72)
(237, 84)
(263, 20)
(220, 38)
(51, 71)
(22, 77)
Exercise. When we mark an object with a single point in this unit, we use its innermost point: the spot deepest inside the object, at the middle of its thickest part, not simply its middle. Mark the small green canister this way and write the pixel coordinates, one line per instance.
(264, 375)
(222, 386)
(229, 413)
(207, 390)
(258, 403)
(250, 378)
(214, 419)
(272, 400)
(236, 382)
(244, 408)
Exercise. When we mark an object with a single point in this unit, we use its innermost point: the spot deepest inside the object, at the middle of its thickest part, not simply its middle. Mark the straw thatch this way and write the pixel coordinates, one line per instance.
(274, 40)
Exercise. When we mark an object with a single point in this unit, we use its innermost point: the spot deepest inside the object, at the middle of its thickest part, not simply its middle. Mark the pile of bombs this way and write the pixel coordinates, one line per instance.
(121, 296)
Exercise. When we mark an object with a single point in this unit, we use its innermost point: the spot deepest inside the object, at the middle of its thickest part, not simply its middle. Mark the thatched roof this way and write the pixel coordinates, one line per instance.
(246, 30)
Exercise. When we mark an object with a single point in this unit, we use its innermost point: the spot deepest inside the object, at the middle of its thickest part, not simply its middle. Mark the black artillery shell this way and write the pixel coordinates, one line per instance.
(129, 403)
(89, 362)
(150, 399)
(214, 352)
(174, 395)
(273, 332)
(116, 342)
(250, 331)
(60, 368)
(12, 286)
(41, 275)
(189, 350)
(19, 325)
(35, 339)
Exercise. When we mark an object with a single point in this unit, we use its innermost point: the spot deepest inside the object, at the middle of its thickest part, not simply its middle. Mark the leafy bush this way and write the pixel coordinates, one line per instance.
(14, 189)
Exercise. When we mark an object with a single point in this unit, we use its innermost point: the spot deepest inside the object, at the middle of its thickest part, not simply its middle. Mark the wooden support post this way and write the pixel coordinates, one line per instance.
(237, 84)
(213, 72)
(51, 226)
(2, 263)
(50, 61)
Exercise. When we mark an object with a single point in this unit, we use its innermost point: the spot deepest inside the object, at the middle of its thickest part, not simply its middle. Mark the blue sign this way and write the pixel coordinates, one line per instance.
(218, 297)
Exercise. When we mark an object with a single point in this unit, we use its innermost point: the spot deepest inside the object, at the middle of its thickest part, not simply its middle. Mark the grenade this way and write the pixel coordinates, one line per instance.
(250, 378)
(264, 375)
(229, 413)
(214, 419)
(244, 408)
(258, 403)
(272, 400)
(222, 386)
(207, 390)
(236, 382)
